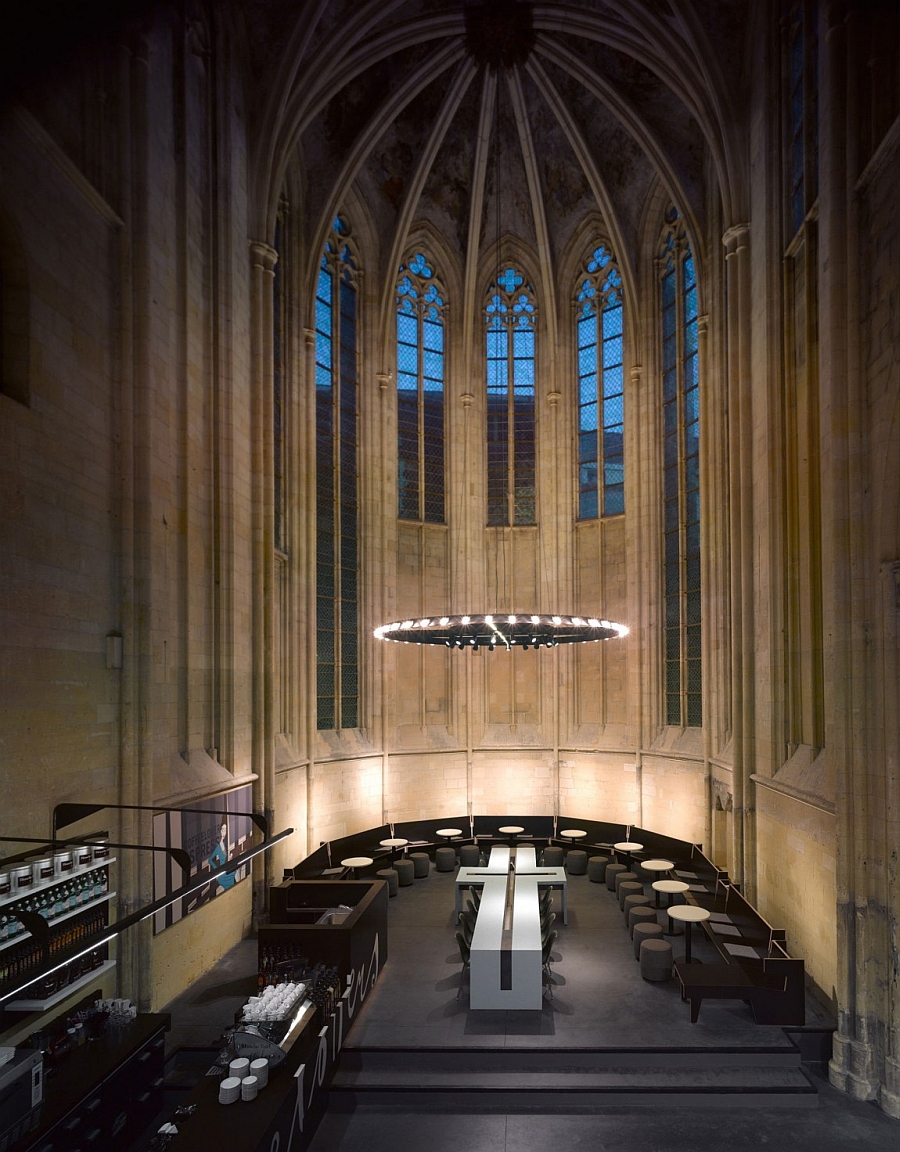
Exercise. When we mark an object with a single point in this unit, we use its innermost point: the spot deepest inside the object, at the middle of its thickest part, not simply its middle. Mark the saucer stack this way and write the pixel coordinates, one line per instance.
(229, 1090)
(239, 1067)
(249, 1088)
(260, 1069)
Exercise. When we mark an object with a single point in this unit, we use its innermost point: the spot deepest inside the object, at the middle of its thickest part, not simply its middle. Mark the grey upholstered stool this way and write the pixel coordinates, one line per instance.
(406, 872)
(552, 857)
(629, 888)
(576, 862)
(393, 880)
(469, 856)
(640, 914)
(656, 960)
(634, 900)
(597, 868)
(642, 932)
(421, 864)
(612, 871)
(625, 878)
(444, 859)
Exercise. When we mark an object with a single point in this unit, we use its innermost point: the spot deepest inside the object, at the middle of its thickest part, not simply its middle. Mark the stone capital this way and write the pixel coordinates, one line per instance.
(263, 255)
(735, 238)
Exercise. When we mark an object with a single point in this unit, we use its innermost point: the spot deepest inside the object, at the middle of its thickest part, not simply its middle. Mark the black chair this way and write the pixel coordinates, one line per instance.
(467, 920)
(476, 897)
(464, 956)
(546, 949)
(547, 924)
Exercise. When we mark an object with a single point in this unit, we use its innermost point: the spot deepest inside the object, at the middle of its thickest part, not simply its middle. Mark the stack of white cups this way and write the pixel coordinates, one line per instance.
(260, 1069)
(229, 1090)
(249, 1088)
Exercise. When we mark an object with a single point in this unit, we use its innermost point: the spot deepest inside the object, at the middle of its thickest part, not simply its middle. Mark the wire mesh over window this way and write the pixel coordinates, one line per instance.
(510, 385)
(337, 481)
(601, 401)
(679, 323)
(420, 393)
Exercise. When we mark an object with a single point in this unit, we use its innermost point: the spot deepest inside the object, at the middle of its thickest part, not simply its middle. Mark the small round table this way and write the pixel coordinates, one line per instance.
(657, 866)
(628, 846)
(354, 862)
(394, 843)
(671, 887)
(512, 831)
(449, 833)
(573, 833)
(688, 914)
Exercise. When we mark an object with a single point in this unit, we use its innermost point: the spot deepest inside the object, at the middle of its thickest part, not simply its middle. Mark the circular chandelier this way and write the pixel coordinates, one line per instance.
(521, 630)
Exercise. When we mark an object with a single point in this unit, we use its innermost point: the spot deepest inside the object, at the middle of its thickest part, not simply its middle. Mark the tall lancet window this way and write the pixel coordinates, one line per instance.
(681, 475)
(509, 351)
(337, 481)
(420, 393)
(601, 414)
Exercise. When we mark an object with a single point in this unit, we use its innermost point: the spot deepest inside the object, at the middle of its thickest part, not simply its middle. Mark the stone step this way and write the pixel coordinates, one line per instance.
(567, 1080)
(480, 1059)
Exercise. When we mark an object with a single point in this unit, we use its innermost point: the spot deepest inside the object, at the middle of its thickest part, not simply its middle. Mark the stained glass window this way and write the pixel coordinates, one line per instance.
(337, 481)
(510, 384)
(420, 393)
(601, 413)
(681, 476)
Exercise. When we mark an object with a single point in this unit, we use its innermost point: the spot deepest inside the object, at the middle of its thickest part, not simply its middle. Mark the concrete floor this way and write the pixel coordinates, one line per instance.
(599, 1001)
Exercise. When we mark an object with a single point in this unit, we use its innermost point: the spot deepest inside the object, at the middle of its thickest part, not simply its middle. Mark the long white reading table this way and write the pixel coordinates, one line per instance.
(505, 964)
(473, 877)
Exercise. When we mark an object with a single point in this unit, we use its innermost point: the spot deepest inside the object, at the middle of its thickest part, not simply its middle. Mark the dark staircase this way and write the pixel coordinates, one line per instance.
(568, 1079)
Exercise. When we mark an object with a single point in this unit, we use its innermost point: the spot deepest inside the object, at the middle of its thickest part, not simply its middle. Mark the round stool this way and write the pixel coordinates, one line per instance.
(406, 872)
(624, 878)
(576, 862)
(421, 864)
(634, 900)
(552, 857)
(612, 871)
(393, 880)
(597, 868)
(629, 888)
(444, 859)
(642, 932)
(656, 960)
(640, 914)
(469, 856)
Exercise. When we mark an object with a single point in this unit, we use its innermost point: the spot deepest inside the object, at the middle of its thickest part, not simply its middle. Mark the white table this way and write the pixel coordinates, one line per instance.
(394, 843)
(354, 862)
(573, 833)
(628, 846)
(688, 914)
(498, 865)
(669, 886)
(511, 830)
(505, 961)
(449, 833)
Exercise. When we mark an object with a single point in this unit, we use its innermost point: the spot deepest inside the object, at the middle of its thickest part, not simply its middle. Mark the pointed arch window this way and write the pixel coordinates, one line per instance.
(337, 484)
(681, 476)
(420, 393)
(601, 414)
(509, 318)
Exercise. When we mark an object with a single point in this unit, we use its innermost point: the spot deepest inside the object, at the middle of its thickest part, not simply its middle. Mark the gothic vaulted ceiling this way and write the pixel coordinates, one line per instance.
(498, 118)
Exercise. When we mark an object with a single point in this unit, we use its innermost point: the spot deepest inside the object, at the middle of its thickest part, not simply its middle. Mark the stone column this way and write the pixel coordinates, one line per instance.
(864, 960)
(262, 272)
(740, 536)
